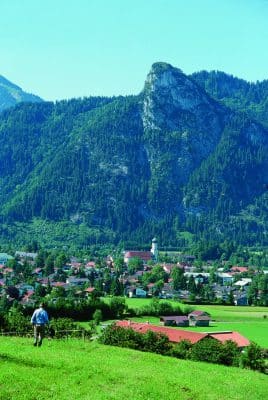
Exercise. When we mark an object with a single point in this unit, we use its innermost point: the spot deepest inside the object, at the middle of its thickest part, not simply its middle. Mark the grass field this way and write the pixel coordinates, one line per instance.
(73, 369)
(249, 321)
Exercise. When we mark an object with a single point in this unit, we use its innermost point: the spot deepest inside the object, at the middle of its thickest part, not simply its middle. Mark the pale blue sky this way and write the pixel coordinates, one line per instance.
(69, 48)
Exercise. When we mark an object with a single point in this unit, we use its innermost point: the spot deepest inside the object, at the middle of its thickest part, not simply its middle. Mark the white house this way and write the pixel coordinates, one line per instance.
(4, 257)
(227, 279)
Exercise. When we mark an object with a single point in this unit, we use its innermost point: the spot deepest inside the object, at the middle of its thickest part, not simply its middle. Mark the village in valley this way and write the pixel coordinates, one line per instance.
(134, 273)
(28, 277)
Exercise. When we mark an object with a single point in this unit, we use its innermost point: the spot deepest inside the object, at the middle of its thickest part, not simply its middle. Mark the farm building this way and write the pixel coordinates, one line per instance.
(174, 335)
(199, 318)
(175, 320)
(177, 335)
(240, 340)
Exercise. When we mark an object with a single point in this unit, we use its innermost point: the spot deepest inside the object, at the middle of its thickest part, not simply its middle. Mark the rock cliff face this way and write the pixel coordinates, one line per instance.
(174, 103)
(168, 93)
(11, 94)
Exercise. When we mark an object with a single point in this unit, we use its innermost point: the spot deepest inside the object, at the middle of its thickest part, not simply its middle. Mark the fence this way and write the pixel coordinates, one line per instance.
(58, 334)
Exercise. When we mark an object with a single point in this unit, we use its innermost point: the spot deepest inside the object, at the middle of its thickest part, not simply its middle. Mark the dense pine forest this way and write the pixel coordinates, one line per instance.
(185, 160)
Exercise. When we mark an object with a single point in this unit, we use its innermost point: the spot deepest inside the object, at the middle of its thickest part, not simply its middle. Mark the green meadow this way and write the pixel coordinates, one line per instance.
(251, 322)
(73, 369)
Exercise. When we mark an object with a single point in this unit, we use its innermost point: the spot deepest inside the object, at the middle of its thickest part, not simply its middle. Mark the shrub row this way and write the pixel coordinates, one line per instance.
(157, 308)
(150, 341)
(207, 350)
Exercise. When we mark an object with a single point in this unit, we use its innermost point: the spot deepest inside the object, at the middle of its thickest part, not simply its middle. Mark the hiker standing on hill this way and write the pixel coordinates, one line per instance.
(39, 320)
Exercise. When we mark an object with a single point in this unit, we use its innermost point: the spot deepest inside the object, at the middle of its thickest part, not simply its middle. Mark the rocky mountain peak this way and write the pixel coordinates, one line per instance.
(174, 103)
(163, 74)
(168, 93)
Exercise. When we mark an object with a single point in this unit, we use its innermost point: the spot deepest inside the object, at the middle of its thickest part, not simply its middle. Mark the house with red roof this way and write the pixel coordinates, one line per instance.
(8, 272)
(37, 272)
(89, 291)
(239, 270)
(145, 256)
(27, 298)
(76, 266)
(59, 284)
(90, 264)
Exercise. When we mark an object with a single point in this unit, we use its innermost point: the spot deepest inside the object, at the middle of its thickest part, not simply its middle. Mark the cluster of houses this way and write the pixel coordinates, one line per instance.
(78, 275)
(38, 278)
(234, 283)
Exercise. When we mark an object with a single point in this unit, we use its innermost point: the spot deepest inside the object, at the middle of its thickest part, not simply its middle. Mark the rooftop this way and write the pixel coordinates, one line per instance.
(174, 335)
(177, 335)
(240, 340)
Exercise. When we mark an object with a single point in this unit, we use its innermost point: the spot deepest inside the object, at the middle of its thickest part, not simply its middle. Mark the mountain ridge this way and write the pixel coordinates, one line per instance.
(11, 94)
(172, 158)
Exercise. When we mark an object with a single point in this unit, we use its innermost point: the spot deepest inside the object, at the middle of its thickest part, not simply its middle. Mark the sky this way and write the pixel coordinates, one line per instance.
(60, 49)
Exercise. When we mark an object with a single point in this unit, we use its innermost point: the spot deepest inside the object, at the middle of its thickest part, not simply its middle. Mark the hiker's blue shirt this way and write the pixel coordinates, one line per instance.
(39, 317)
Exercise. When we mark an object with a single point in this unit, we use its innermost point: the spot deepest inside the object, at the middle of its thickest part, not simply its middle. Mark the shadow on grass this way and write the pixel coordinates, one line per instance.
(25, 363)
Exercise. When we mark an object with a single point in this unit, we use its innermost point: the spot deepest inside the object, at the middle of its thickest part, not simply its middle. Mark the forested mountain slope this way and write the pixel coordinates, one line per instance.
(175, 157)
(236, 93)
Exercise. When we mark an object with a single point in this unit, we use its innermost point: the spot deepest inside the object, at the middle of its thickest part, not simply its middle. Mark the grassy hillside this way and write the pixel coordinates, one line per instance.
(80, 370)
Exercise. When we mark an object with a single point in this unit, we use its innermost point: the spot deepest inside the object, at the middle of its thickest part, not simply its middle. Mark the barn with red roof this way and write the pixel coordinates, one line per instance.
(177, 335)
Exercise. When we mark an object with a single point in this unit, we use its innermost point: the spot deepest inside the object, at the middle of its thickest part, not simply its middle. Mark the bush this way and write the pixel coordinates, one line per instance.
(150, 341)
(17, 322)
(230, 353)
(155, 343)
(117, 336)
(79, 310)
(181, 349)
(62, 327)
(208, 350)
(97, 316)
(117, 307)
(253, 358)
(157, 308)
(212, 351)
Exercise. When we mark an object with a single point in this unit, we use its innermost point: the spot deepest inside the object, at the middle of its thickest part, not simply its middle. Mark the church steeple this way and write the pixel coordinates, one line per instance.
(154, 249)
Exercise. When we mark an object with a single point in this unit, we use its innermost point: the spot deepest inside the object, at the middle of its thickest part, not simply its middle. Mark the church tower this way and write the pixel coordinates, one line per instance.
(154, 249)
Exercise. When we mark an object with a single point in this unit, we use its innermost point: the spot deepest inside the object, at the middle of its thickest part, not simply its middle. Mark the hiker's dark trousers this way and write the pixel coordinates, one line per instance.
(39, 333)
